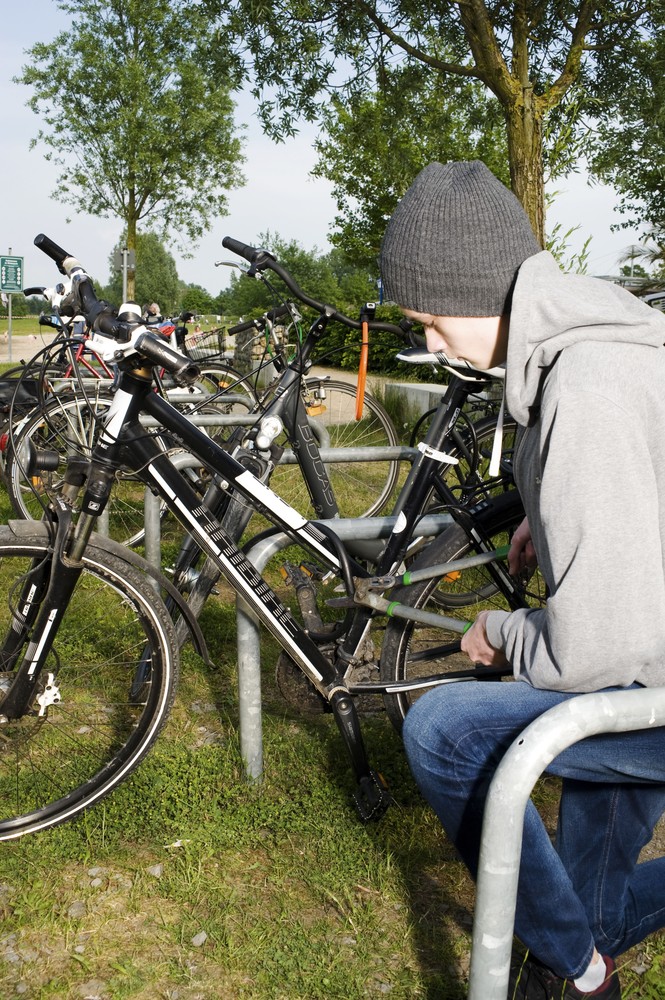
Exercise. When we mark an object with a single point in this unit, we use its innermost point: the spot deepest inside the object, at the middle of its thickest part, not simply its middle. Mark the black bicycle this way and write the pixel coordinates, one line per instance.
(82, 612)
(309, 414)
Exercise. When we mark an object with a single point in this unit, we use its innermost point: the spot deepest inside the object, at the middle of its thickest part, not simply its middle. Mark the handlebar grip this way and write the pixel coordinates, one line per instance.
(251, 254)
(52, 250)
(242, 249)
(241, 327)
(183, 370)
(37, 290)
(278, 312)
(46, 320)
(259, 324)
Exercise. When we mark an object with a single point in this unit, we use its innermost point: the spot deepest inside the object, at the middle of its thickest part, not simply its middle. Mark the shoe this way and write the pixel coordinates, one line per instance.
(531, 980)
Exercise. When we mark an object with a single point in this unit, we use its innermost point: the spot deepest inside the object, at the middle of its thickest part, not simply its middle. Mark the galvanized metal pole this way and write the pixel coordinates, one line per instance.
(9, 321)
(501, 844)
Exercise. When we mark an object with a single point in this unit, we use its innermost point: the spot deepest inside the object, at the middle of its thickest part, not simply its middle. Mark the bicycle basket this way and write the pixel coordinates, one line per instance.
(205, 346)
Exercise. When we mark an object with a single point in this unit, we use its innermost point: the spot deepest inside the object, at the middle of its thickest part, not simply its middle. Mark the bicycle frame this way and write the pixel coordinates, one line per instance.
(123, 435)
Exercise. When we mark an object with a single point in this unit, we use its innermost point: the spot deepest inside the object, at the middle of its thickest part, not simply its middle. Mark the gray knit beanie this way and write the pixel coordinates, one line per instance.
(455, 243)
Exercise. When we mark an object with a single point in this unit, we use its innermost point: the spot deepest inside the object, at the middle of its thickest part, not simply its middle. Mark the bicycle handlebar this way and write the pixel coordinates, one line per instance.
(253, 255)
(261, 259)
(53, 251)
(129, 337)
(259, 324)
(156, 350)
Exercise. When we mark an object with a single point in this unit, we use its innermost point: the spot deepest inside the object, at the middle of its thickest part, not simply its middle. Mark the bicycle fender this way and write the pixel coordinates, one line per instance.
(33, 529)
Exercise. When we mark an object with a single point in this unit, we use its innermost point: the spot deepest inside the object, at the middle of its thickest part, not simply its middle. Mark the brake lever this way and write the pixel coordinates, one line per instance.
(232, 263)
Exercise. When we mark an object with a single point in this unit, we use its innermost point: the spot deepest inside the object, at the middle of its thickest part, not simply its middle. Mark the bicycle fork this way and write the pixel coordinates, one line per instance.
(44, 599)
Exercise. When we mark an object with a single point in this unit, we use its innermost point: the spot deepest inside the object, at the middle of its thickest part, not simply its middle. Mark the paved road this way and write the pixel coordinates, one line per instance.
(22, 348)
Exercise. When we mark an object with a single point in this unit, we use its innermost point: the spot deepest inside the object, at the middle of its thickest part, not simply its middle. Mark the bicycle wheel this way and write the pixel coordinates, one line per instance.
(469, 480)
(361, 488)
(70, 425)
(55, 764)
(228, 379)
(412, 650)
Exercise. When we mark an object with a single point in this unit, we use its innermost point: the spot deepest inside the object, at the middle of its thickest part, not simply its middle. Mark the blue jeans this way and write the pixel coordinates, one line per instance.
(587, 890)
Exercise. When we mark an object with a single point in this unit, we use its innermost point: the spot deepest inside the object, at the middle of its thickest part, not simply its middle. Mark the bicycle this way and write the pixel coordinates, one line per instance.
(71, 396)
(217, 374)
(69, 730)
(286, 403)
(336, 419)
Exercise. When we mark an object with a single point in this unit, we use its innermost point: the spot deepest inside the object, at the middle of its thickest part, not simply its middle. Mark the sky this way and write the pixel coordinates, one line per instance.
(280, 196)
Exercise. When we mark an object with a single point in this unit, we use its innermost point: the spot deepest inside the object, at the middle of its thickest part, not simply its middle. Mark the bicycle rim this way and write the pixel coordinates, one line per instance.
(360, 488)
(54, 765)
(411, 650)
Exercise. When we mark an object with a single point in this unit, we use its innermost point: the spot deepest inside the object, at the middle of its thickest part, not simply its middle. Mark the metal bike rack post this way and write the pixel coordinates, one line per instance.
(152, 513)
(501, 843)
(248, 627)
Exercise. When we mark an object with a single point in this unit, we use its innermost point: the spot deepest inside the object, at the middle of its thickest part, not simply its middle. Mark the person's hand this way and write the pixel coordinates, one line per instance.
(477, 646)
(522, 554)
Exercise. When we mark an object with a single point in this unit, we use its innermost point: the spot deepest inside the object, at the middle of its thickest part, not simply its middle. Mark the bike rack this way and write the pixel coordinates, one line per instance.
(503, 822)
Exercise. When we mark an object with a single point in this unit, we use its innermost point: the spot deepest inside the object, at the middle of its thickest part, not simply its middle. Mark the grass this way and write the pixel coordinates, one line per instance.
(24, 326)
(190, 884)
(295, 897)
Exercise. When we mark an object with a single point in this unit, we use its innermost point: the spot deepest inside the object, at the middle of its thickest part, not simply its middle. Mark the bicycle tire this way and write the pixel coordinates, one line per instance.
(67, 424)
(53, 767)
(411, 650)
(361, 489)
(228, 378)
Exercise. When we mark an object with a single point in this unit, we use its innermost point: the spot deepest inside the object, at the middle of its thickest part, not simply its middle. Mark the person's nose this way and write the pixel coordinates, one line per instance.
(434, 340)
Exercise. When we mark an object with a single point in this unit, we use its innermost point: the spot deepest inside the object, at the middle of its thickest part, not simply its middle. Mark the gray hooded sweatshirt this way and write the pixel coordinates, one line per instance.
(586, 379)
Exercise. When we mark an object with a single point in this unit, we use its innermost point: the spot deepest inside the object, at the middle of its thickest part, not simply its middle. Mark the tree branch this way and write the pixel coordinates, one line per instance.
(444, 67)
(490, 65)
(554, 94)
(521, 27)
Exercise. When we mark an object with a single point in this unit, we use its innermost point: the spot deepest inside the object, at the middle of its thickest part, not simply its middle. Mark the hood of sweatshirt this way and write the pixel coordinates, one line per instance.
(552, 310)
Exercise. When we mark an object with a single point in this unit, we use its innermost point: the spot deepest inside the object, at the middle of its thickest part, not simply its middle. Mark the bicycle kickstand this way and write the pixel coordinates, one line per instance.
(372, 796)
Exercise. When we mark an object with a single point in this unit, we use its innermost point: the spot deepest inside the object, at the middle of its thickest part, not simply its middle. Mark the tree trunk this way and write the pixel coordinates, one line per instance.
(131, 244)
(525, 153)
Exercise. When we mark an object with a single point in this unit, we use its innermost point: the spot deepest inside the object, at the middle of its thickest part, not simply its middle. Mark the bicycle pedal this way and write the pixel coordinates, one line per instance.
(288, 573)
(313, 571)
(372, 797)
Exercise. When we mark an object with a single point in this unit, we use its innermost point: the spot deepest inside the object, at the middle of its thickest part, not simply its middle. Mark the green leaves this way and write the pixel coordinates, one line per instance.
(628, 145)
(375, 144)
(135, 122)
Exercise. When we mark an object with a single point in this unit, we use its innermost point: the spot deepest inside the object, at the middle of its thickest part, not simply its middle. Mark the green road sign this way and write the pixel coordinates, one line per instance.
(11, 274)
